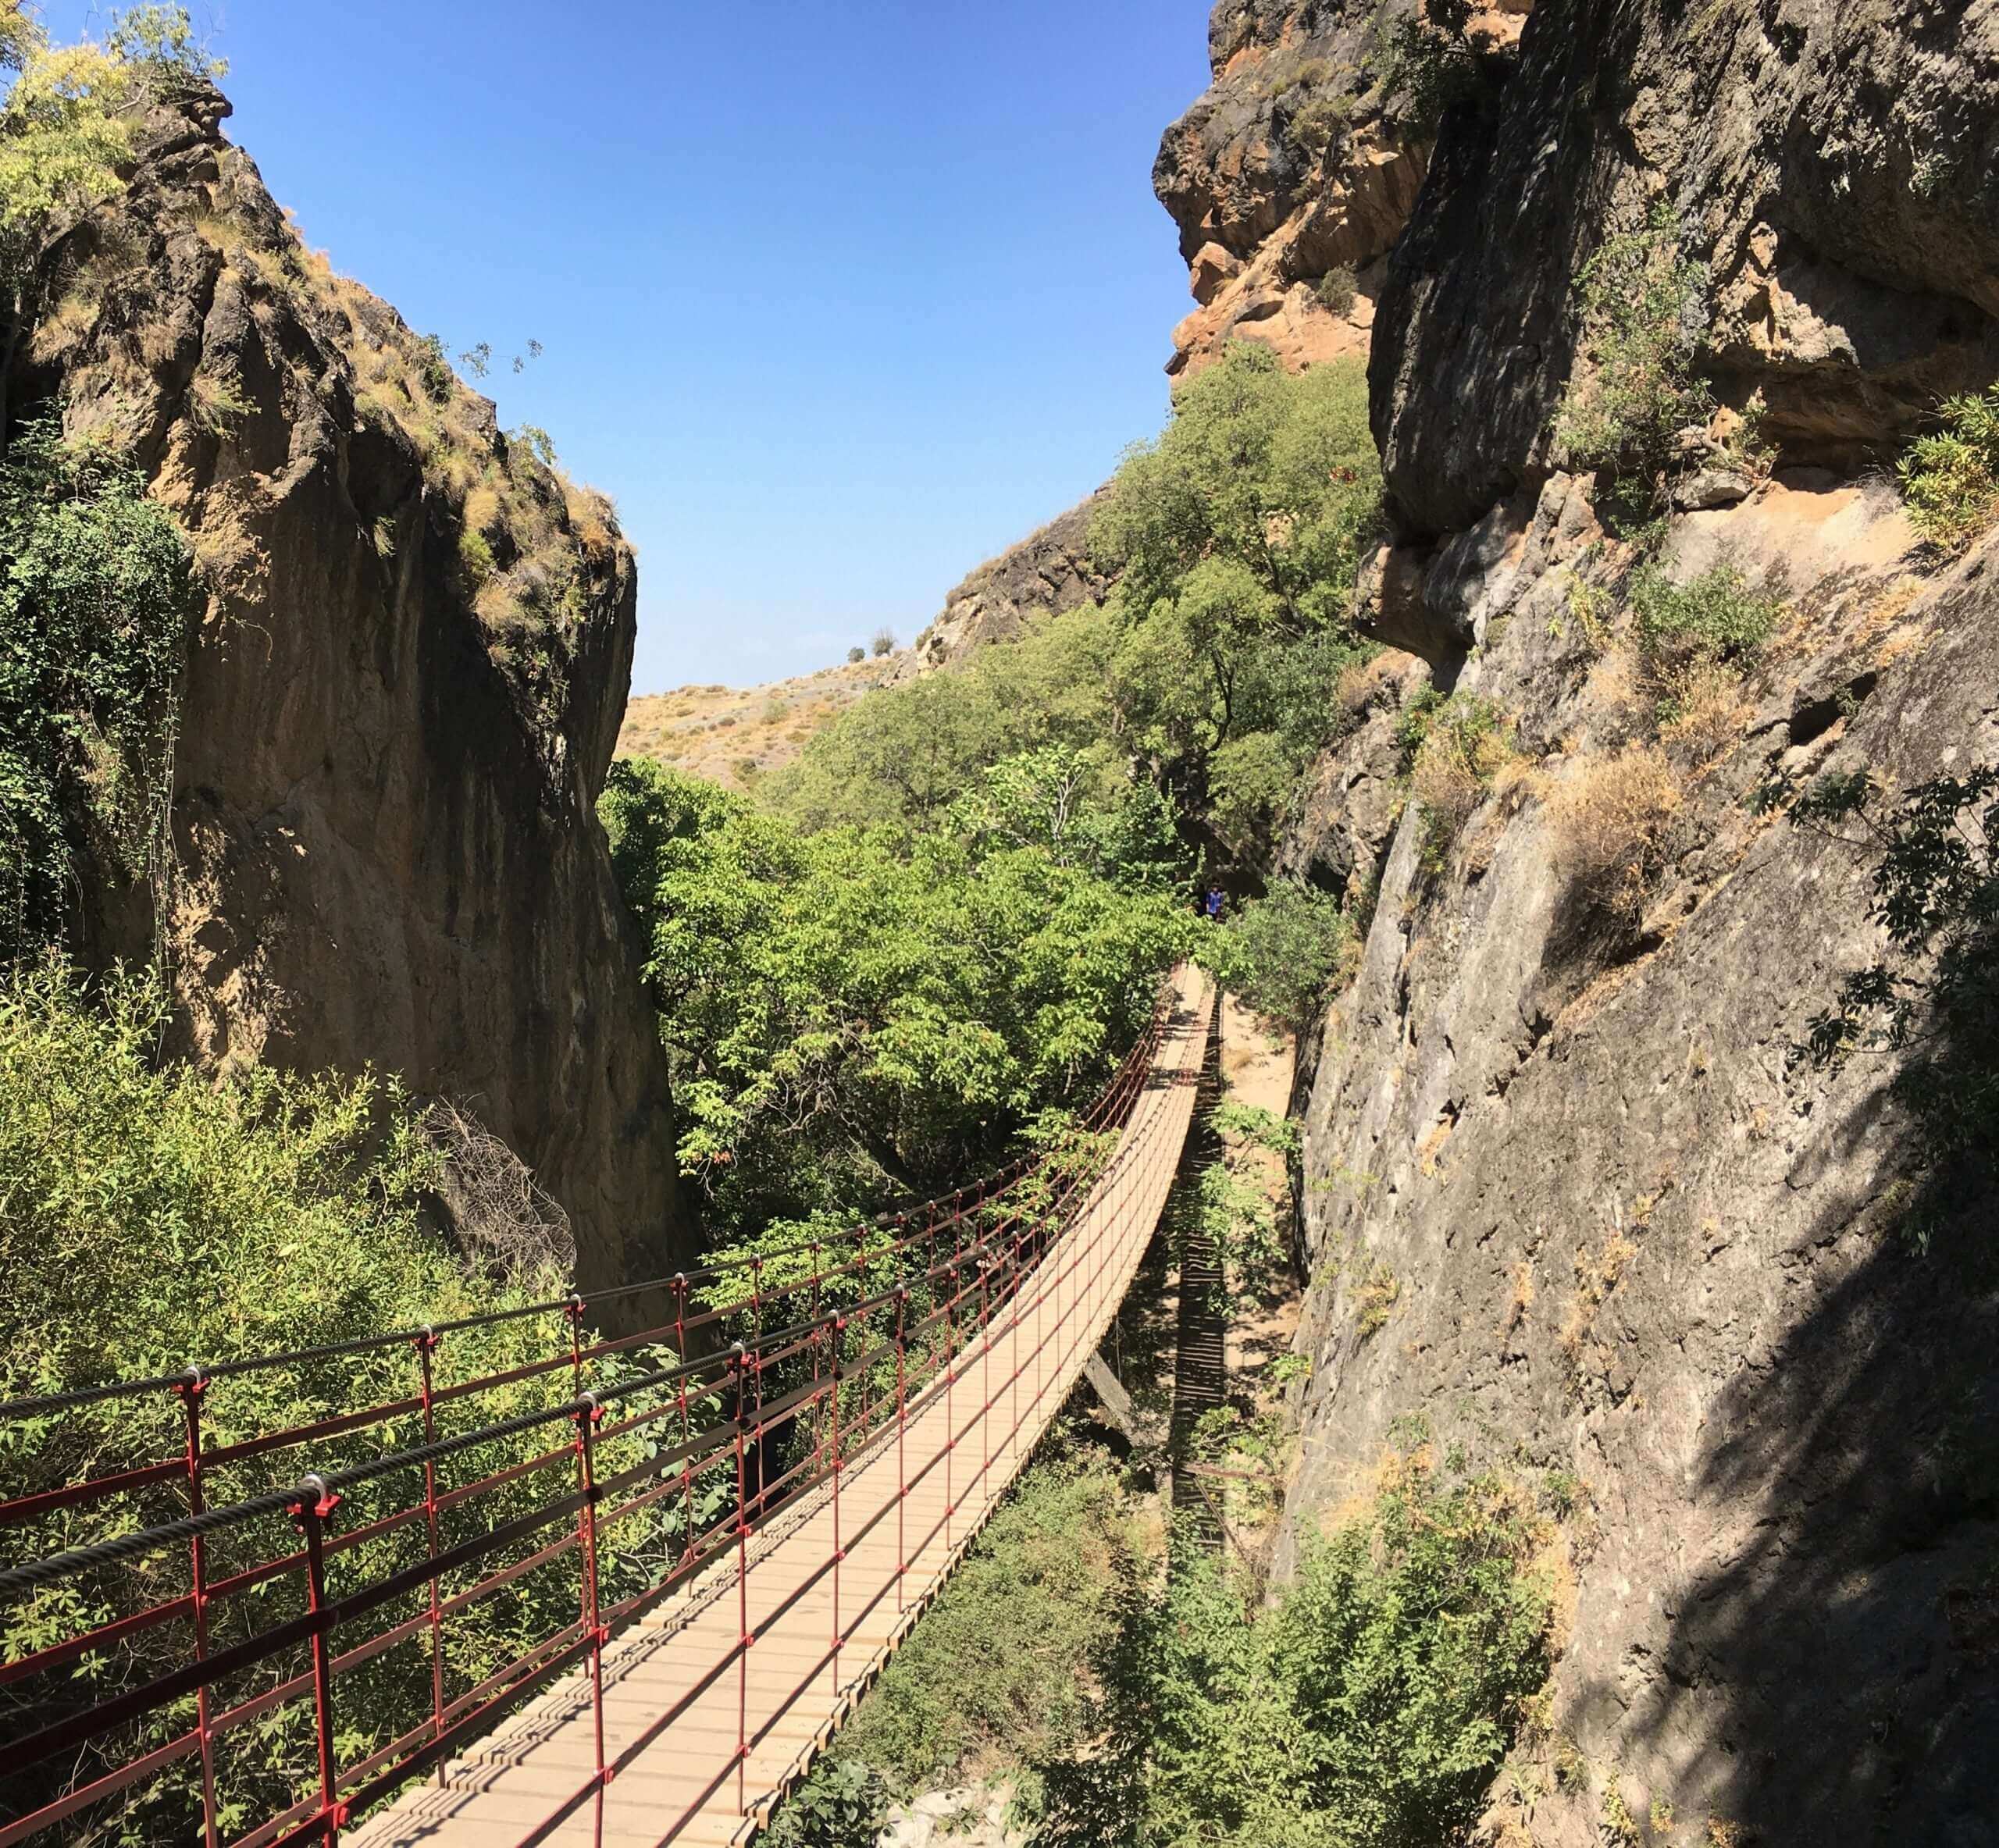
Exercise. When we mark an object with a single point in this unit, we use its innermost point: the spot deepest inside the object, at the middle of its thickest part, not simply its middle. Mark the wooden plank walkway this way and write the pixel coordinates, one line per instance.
(822, 1599)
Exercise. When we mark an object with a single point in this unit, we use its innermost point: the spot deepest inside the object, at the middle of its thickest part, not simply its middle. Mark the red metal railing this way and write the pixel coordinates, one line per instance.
(447, 1576)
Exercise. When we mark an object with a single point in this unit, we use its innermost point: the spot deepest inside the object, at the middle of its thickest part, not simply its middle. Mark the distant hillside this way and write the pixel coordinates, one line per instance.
(732, 735)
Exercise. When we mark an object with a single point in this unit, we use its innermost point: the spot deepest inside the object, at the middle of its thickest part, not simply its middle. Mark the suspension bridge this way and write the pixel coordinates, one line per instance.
(613, 1591)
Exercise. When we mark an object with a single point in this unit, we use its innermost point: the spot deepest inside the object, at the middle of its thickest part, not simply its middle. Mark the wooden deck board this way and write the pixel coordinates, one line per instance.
(690, 1786)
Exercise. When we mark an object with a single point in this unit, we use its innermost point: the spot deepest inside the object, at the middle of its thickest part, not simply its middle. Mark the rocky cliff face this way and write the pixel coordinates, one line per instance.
(1827, 167)
(400, 710)
(1047, 574)
(1290, 180)
(1573, 1208)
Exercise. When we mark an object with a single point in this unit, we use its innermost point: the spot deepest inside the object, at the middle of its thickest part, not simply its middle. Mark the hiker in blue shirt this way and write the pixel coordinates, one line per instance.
(1214, 904)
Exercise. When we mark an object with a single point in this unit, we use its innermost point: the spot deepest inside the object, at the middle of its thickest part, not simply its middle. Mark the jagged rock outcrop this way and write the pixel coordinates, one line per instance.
(1288, 171)
(1634, 1241)
(1826, 165)
(400, 710)
(1632, 1250)
(1047, 574)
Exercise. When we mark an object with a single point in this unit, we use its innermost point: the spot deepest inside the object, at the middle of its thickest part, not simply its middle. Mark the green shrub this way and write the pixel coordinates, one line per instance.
(1636, 384)
(1368, 1709)
(1424, 56)
(155, 1215)
(1319, 122)
(1337, 288)
(1715, 617)
(844, 1803)
(1454, 744)
(97, 600)
(1284, 952)
(856, 656)
(434, 368)
(1951, 478)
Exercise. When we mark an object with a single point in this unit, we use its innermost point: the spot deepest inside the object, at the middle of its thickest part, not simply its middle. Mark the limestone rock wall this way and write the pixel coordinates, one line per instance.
(400, 710)
(1047, 574)
(1827, 165)
(1290, 167)
(1636, 1253)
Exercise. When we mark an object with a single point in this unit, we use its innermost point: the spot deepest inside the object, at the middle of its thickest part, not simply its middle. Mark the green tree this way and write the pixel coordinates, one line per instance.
(97, 596)
(1367, 1709)
(1237, 537)
(859, 1012)
(66, 123)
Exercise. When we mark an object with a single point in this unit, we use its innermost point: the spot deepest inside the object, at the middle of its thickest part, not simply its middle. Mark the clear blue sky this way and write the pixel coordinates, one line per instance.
(839, 298)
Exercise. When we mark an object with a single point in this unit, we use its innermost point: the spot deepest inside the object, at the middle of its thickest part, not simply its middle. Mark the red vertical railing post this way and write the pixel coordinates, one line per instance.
(839, 1551)
(191, 1390)
(902, 1431)
(818, 1411)
(573, 1310)
(589, 1415)
(686, 1429)
(740, 1361)
(314, 1505)
(426, 1349)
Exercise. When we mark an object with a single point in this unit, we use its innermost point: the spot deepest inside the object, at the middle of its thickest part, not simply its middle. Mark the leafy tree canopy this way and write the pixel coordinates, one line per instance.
(862, 1011)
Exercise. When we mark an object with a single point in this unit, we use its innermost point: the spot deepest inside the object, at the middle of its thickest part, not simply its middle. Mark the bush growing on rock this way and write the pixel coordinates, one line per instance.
(1369, 1706)
(95, 605)
(1636, 383)
(1951, 478)
(1337, 289)
(1612, 821)
(1455, 746)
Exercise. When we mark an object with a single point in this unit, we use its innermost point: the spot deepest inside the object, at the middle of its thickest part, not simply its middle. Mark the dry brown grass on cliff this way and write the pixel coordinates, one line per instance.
(1613, 822)
(734, 735)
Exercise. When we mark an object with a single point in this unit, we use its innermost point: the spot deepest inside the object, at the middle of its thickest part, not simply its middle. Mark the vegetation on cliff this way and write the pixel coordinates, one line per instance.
(97, 596)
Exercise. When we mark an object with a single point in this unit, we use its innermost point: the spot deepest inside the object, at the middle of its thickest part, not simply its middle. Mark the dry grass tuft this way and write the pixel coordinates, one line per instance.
(1613, 823)
(1709, 709)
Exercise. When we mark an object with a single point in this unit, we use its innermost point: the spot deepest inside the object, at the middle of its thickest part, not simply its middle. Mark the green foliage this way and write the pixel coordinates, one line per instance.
(1236, 1212)
(1269, 475)
(1935, 999)
(1637, 383)
(1074, 806)
(95, 604)
(844, 1803)
(1320, 123)
(1368, 1709)
(67, 121)
(1237, 535)
(859, 1011)
(856, 656)
(1951, 478)
(434, 368)
(1251, 781)
(904, 754)
(1715, 617)
(1454, 745)
(1426, 63)
(1000, 1662)
(152, 1215)
(1284, 952)
(1337, 288)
